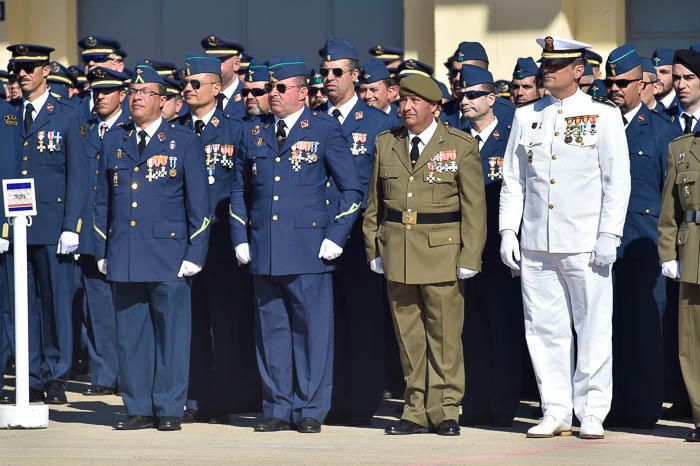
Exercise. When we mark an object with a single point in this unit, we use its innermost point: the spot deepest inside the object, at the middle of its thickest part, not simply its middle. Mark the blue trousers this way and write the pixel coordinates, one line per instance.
(100, 329)
(294, 342)
(153, 335)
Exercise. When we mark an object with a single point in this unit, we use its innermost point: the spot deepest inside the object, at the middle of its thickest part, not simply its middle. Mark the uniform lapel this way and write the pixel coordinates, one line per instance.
(45, 115)
(695, 148)
(267, 132)
(431, 148)
(157, 144)
(129, 144)
(297, 133)
(213, 128)
(638, 124)
(401, 148)
(352, 120)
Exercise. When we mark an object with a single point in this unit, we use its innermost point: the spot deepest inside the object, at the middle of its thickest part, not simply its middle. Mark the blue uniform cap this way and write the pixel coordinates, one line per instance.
(257, 72)
(97, 44)
(524, 68)
(503, 88)
(445, 92)
(145, 74)
(172, 86)
(286, 67)
(662, 57)
(338, 49)
(592, 58)
(695, 47)
(105, 78)
(386, 52)
(78, 74)
(470, 51)
(412, 66)
(314, 78)
(588, 69)
(195, 64)
(648, 65)
(60, 74)
(245, 61)
(218, 46)
(163, 67)
(621, 60)
(472, 75)
(30, 53)
(597, 89)
(373, 71)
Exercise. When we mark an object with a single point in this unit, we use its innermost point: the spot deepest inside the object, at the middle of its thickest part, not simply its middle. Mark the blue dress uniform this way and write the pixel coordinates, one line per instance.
(97, 48)
(640, 294)
(100, 329)
(493, 335)
(54, 155)
(223, 48)
(223, 374)
(359, 318)
(152, 215)
(664, 57)
(285, 221)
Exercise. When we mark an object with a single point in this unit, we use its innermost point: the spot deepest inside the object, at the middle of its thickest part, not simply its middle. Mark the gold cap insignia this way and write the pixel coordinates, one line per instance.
(213, 41)
(549, 44)
(90, 41)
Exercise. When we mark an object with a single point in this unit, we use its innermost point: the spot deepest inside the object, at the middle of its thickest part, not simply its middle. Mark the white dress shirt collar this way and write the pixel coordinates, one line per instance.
(631, 114)
(668, 100)
(150, 129)
(290, 120)
(345, 109)
(485, 133)
(206, 118)
(37, 103)
(425, 136)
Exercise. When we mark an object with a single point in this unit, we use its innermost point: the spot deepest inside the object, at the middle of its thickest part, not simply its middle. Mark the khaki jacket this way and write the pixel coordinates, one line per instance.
(446, 178)
(679, 239)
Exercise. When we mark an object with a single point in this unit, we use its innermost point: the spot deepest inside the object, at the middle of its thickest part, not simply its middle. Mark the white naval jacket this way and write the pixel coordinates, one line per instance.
(566, 174)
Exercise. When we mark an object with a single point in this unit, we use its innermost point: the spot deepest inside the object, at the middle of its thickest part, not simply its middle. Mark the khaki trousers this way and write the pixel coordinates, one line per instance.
(689, 343)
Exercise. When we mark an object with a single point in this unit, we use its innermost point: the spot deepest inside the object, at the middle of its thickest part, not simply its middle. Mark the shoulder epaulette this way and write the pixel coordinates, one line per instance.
(684, 136)
(459, 133)
(604, 100)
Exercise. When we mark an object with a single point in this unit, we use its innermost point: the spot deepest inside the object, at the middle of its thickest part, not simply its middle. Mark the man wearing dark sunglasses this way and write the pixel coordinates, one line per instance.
(638, 369)
(318, 95)
(359, 335)
(229, 53)
(52, 133)
(566, 183)
(282, 225)
(103, 51)
(254, 93)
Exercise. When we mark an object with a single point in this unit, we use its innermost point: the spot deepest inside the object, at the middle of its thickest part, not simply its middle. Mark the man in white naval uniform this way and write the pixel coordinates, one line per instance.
(566, 184)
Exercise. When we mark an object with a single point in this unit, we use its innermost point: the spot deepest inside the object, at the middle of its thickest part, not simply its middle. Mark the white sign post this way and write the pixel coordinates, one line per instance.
(20, 205)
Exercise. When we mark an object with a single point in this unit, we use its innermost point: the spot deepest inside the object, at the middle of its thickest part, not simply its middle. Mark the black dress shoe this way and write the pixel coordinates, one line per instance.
(405, 427)
(309, 425)
(272, 424)
(189, 416)
(693, 436)
(55, 394)
(135, 423)
(448, 428)
(7, 397)
(167, 424)
(99, 390)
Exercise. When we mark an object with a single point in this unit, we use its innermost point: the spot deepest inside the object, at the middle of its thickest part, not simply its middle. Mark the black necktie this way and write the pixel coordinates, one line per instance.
(688, 123)
(624, 121)
(281, 133)
(142, 141)
(198, 127)
(336, 113)
(414, 149)
(220, 101)
(28, 118)
(478, 138)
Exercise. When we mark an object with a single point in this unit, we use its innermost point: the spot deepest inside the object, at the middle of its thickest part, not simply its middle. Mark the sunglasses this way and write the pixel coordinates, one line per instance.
(195, 83)
(471, 95)
(337, 72)
(281, 88)
(28, 67)
(316, 90)
(621, 83)
(256, 92)
(98, 58)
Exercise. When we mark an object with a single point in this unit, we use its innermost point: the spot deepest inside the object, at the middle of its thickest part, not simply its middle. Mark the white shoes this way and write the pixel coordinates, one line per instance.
(591, 428)
(548, 427)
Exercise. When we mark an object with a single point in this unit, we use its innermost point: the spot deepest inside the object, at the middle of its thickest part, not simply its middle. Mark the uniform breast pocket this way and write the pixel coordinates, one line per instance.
(389, 176)
(643, 164)
(258, 167)
(686, 183)
(530, 147)
(119, 180)
(444, 186)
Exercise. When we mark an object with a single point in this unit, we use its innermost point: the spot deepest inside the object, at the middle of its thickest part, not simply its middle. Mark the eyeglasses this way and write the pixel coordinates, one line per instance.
(257, 92)
(143, 91)
(316, 90)
(281, 88)
(195, 83)
(99, 58)
(471, 95)
(27, 66)
(621, 83)
(337, 72)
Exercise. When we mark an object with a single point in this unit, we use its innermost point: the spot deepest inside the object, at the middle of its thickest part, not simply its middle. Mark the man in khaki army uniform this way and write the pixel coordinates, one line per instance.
(425, 228)
(679, 236)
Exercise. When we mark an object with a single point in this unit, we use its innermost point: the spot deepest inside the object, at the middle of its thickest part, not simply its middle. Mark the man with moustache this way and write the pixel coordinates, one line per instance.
(525, 85)
(254, 92)
(566, 183)
(229, 53)
(317, 93)
(640, 289)
(283, 227)
(151, 234)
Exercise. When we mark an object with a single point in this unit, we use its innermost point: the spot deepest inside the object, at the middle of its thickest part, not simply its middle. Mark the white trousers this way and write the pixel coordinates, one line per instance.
(561, 291)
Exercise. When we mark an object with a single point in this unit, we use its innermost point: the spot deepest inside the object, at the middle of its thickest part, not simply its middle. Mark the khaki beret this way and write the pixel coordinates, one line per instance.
(422, 86)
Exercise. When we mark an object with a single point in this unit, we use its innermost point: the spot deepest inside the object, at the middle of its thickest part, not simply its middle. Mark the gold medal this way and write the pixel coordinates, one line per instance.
(568, 139)
(172, 173)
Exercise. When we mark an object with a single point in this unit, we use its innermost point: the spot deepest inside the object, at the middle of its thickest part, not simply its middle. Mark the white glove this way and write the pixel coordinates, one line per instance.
(464, 274)
(102, 266)
(4, 245)
(68, 243)
(329, 250)
(510, 250)
(605, 250)
(375, 265)
(670, 269)
(188, 269)
(242, 253)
